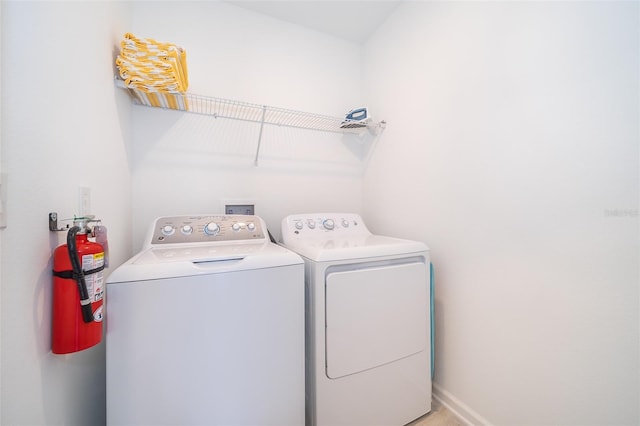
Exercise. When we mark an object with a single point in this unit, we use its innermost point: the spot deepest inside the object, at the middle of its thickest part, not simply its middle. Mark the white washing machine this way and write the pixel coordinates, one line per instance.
(367, 322)
(205, 326)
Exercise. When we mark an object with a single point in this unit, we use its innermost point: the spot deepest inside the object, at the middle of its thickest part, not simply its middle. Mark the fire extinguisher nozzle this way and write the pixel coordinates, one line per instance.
(87, 313)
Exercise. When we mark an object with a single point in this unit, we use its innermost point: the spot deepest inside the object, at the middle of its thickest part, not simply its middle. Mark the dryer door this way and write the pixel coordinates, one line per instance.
(374, 316)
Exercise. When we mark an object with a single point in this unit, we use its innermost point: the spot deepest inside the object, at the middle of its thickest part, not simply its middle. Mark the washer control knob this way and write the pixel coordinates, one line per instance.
(236, 227)
(345, 223)
(186, 229)
(328, 224)
(311, 224)
(251, 226)
(299, 225)
(167, 230)
(211, 228)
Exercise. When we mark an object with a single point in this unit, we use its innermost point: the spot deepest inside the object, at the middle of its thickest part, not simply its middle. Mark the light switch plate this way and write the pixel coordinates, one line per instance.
(84, 201)
(3, 200)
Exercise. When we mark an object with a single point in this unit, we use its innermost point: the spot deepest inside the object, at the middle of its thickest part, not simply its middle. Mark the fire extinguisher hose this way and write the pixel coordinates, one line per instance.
(85, 301)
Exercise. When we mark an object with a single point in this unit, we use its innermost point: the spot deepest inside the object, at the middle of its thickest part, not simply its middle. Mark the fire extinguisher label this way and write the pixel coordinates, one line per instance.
(97, 314)
(95, 282)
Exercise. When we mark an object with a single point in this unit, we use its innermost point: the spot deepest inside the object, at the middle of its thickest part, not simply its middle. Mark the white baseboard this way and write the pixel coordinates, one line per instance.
(458, 408)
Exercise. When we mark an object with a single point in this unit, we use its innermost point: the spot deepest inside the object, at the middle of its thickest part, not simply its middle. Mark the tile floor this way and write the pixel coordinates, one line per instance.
(438, 416)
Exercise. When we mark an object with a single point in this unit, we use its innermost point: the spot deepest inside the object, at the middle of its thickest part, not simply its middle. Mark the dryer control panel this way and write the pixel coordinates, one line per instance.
(322, 225)
(207, 228)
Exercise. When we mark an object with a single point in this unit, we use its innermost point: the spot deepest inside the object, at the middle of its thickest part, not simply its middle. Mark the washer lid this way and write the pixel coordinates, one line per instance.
(183, 260)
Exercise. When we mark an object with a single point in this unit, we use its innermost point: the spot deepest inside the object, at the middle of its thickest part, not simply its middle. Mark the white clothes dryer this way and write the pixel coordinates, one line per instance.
(205, 326)
(367, 322)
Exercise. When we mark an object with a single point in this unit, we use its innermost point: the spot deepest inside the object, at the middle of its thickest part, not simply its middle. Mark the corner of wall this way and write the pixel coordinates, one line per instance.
(461, 410)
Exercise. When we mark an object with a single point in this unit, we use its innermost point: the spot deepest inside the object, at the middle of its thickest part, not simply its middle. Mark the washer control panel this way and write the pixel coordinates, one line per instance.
(323, 225)
(207, 228)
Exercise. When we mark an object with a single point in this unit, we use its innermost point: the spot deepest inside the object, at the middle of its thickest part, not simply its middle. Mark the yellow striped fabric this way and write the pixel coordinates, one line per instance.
(156, 72)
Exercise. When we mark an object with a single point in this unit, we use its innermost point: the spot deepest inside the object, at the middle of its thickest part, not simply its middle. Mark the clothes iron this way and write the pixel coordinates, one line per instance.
(355, 118)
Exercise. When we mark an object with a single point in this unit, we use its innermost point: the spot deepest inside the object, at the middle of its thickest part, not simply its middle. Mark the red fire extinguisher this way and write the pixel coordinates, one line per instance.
(78, 292)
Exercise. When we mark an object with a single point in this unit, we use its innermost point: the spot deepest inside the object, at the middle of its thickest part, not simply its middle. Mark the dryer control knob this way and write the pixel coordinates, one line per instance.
(328, 224)
(299, 225)
(251, 226)
(187, 229)
(345, 223)
(236, 227)
(211, 228)
(167, 230)
(311, 224)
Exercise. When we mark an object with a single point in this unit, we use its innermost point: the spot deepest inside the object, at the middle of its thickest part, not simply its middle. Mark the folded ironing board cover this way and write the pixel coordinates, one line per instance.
(155, 72)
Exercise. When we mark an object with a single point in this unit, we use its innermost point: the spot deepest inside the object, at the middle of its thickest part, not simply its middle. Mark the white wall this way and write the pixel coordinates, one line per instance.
(512, 150)
(0, 189)
(188, 164)
(64, 125)
(64, 108)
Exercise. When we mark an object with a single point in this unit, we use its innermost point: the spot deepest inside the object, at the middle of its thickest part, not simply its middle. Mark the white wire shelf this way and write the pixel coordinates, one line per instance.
(254, 113)
(263, 114)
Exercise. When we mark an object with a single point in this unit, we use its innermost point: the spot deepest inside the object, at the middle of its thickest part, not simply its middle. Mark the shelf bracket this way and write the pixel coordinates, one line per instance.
(264, 110)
